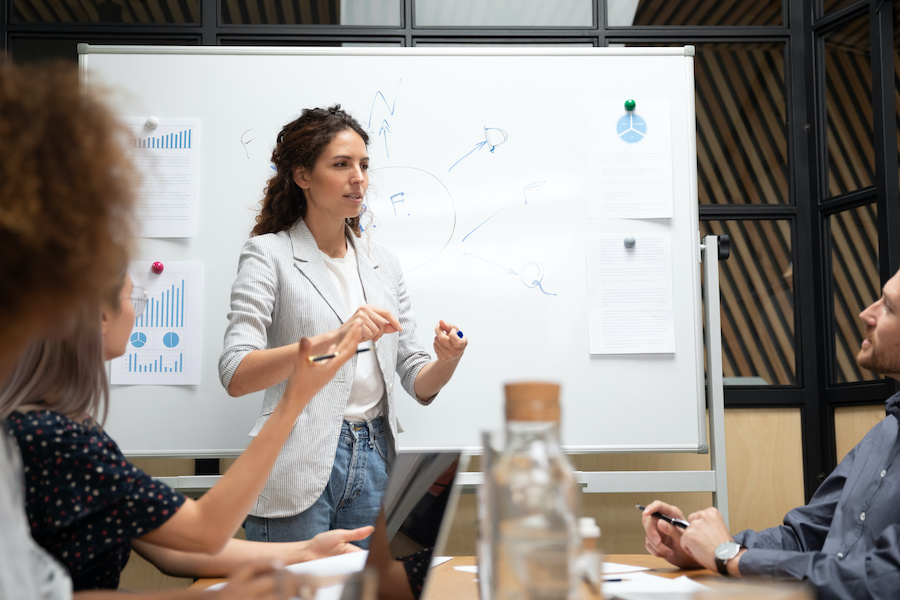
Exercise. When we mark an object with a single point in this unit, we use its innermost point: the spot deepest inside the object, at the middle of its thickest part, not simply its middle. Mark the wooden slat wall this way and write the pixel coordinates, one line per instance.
(708, 12)
(92, 11)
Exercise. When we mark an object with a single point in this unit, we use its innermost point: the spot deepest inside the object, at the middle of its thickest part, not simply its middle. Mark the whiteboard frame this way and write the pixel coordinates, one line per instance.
(714, 480)
(85, 51)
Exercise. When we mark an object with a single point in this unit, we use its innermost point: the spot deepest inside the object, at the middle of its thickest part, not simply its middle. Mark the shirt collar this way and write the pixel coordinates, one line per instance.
(893, 405)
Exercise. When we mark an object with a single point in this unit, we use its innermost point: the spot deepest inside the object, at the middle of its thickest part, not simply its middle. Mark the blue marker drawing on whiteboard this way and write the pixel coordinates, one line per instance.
(532, 275)
(385, 127)
(490, 139)
(531, 186)
(536, 280)
(507, 270)
(394, 203)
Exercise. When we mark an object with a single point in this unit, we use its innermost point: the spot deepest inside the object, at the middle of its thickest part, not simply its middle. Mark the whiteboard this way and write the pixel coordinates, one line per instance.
(481, 180)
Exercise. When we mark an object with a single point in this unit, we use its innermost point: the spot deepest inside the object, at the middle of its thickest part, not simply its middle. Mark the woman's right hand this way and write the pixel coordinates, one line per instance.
(374, 321)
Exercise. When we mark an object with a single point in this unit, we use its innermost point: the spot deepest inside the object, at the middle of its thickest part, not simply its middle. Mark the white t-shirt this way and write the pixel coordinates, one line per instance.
(26, 569)
(368, 386)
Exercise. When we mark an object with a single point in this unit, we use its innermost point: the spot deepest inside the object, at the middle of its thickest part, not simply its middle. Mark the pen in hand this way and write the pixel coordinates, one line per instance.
(680, 523)
(314, 359)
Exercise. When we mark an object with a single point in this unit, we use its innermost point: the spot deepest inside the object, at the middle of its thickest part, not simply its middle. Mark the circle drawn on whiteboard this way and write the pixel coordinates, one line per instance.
(631, 128)
(138, 339)
(170, 339)
(411, 212)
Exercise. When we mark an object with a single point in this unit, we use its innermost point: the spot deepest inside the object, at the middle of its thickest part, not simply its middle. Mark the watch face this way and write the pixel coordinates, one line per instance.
(727, 550)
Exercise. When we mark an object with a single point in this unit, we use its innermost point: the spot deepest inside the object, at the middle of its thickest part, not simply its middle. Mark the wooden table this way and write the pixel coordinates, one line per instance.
(445, 582)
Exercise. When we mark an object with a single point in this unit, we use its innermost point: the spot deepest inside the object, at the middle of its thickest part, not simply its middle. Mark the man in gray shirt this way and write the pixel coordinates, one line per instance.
(846, 541)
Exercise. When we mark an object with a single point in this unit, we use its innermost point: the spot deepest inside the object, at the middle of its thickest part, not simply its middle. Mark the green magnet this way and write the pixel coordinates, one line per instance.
(629, 105)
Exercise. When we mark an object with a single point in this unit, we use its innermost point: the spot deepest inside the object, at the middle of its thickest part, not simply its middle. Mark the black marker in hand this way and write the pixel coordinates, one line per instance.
(680, 523)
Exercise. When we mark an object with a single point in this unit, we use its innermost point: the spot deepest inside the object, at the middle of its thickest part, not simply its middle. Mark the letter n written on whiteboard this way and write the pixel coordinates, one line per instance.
(630, 295)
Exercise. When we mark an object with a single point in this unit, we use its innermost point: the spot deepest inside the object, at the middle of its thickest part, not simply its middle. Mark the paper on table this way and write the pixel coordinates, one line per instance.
(615, 568)
(608, 568)
(636, 584)
(342, 564)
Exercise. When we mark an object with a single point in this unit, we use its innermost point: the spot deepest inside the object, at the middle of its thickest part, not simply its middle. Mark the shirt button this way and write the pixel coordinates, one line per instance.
(840, 555)
(862, 516)
(883, 473)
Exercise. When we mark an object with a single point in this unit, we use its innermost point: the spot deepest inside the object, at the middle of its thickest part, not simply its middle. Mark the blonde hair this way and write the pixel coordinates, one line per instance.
(66, 375)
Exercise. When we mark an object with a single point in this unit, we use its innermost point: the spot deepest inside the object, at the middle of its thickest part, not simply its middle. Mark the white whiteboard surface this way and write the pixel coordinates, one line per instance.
(474, 228)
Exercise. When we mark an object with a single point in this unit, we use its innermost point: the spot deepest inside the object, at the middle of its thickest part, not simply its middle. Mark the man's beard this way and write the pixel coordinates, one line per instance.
(877, 362)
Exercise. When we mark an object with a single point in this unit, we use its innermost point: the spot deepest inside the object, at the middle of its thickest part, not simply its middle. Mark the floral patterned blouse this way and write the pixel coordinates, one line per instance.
(84, 501)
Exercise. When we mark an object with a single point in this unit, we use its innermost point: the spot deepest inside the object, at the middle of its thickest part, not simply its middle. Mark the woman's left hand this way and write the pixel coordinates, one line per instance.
(449, 341)
(337, 541)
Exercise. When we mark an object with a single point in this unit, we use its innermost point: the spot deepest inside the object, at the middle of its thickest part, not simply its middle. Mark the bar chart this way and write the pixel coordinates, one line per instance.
(174, 140)
(166, 309)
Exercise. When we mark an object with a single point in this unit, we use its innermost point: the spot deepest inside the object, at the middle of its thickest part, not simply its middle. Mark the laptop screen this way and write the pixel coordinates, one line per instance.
(418, 507)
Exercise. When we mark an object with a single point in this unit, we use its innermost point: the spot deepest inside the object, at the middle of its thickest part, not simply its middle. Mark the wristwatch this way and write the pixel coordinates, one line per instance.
(725, 552)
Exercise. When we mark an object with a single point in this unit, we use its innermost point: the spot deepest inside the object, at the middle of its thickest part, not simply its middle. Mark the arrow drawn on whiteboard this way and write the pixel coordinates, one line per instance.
(531, 186)
(478, 146)
(385, 124)
(385, 129)
(507, 270)
(489, 132)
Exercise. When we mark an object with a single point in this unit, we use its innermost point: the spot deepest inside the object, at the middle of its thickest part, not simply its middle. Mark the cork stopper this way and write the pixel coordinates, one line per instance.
(532, 401)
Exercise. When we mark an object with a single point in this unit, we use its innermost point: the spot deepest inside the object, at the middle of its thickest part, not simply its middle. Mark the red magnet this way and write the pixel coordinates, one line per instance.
(157, 267)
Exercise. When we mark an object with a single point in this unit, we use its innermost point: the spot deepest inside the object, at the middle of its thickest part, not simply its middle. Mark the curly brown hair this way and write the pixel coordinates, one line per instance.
(66, 192)
(300, 144)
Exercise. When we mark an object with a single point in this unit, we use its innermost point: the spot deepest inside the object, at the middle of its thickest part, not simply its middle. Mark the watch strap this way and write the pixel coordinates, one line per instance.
(722, 563)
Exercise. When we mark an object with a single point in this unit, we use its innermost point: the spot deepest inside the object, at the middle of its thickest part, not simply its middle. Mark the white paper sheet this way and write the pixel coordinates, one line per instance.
(342, 564)
(645, 583)
(630, 295)
(168, 158)
(630, 157)
(165, 344)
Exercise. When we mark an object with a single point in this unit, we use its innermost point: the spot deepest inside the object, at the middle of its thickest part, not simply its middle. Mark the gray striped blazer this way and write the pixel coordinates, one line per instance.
(284, 291)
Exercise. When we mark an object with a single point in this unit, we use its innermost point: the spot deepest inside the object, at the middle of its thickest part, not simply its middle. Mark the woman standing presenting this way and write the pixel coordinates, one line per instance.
(307, 271)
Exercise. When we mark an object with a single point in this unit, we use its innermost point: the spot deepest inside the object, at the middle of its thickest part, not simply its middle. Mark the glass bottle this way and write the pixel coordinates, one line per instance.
(536, 501)
(590, 562)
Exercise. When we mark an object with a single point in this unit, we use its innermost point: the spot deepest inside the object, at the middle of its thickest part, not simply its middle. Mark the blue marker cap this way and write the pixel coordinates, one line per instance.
(459, 333)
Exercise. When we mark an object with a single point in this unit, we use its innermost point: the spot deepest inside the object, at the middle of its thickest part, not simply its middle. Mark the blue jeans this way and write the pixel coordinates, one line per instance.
(352, 497)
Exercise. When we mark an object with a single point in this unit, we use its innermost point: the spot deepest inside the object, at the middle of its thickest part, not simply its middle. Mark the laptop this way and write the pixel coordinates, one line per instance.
(418, 508)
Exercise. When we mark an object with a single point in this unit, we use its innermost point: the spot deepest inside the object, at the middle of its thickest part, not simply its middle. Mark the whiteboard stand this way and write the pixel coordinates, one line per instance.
(715, 395)
(715, 479)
